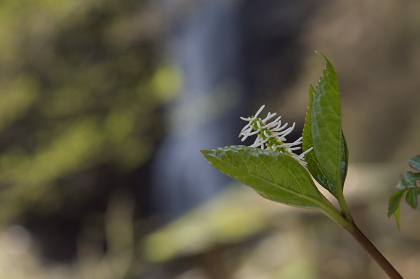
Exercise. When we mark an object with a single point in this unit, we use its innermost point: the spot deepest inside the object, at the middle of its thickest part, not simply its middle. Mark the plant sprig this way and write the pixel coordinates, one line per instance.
(274, 171)
(409, 185)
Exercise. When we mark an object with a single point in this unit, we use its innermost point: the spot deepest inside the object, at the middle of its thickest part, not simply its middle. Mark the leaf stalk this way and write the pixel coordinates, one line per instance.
(344, 207)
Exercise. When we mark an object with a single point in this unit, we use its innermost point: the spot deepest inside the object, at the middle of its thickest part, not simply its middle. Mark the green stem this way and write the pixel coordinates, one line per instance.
(331, 212)
(345, 208)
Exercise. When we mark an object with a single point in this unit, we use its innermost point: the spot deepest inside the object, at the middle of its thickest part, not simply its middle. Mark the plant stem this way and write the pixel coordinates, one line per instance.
(373, 251)
(345, 208)
(346, 221)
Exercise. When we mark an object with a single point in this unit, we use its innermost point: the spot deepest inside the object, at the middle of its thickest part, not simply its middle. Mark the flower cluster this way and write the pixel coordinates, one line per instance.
(272, 136)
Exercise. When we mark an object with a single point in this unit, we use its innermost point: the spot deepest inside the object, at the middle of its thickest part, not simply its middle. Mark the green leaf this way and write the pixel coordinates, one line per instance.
(328, 161)
(415, 162)
(310, 158)
(397, 215)
(313, 164)
(409, 179)
(401, 185)
(411, 198)
(344, 159)
(394, 202)
(273, 175)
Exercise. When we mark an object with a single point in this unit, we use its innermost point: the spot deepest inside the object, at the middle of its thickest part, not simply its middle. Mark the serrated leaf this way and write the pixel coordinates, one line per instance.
(397, 215)
(411, 198)
(415, 162)
(328, 161)
(273, 175)
(409, 179)
(394, 202)
(400, 185)
(310, 158)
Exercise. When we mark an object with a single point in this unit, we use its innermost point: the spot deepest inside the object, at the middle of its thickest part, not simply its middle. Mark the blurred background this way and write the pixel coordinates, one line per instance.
(105, 104)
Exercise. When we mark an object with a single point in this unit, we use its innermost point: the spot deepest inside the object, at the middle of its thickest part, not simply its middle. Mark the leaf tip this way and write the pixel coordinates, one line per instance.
(396, 211)
(325, 58)
(206, 153)
(397, 215)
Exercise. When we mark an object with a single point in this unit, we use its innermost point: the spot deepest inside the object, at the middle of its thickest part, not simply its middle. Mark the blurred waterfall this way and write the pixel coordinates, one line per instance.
(205, 44)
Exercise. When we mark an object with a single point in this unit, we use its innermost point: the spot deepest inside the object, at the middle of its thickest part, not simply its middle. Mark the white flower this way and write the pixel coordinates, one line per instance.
(272, 136)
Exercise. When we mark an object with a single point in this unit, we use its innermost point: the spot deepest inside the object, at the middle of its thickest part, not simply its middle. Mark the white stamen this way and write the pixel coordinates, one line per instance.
(273, 130)
(259, 111)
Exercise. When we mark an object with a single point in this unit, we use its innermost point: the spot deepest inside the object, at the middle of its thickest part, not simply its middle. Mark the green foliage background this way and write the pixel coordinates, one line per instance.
(75, 93)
